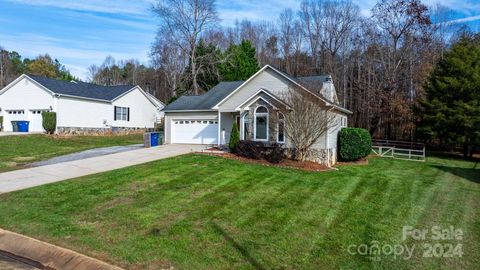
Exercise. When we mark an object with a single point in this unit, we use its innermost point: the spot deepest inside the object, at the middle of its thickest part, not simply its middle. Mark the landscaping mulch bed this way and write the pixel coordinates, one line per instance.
(287, 163)
(362, 161)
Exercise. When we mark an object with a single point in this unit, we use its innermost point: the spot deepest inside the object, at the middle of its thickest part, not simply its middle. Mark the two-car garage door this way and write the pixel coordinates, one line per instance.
(195, 131)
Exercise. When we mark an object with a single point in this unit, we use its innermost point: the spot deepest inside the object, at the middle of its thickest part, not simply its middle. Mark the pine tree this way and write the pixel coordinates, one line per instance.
(234, 137)
(240, 62)
(451, 109)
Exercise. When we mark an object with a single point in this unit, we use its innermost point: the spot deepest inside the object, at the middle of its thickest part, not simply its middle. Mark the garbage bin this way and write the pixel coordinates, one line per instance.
(154, 138)
(151, 139)
(23, 126)
(147, 140)
(14, 126)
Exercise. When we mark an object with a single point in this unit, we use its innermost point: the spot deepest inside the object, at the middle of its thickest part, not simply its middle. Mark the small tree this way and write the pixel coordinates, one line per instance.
(307, 121)
(49, 121)
(1, 122)
(234, 137)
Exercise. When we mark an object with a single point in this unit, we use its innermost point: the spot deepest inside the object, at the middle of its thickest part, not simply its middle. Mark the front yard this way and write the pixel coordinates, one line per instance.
(18, 150)
(204, 212)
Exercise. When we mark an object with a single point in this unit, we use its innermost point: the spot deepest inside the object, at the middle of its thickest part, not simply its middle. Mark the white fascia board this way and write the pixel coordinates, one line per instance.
(238, 108)
(256, 99)
(10, 85)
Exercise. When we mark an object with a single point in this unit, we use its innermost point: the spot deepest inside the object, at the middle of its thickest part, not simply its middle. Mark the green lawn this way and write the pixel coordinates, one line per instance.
(18, 150)
(204, 212)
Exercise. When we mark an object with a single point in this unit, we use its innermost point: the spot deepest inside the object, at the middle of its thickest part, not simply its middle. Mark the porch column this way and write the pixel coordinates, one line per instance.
(219, 136)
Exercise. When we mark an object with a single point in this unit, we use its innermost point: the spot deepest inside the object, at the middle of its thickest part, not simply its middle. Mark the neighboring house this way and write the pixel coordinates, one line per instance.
(208, 118)
(80, 107)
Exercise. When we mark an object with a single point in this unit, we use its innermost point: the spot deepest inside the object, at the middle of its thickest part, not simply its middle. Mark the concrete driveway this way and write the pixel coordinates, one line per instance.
(31, 177)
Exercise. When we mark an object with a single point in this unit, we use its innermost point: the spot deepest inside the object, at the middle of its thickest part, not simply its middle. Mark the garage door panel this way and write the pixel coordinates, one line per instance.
(195, 131)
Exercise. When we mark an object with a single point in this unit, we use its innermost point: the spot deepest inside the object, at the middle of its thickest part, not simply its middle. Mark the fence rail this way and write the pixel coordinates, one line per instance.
(399, 149)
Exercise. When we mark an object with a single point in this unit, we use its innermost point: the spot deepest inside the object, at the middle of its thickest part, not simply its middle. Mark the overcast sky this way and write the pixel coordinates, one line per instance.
(83, 32)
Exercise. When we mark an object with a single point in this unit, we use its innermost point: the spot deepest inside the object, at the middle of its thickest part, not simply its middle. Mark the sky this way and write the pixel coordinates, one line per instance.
(80, 33)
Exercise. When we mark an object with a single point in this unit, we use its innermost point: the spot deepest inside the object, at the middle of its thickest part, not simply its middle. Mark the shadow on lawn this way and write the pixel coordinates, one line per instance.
(471, 174)
(237, 246)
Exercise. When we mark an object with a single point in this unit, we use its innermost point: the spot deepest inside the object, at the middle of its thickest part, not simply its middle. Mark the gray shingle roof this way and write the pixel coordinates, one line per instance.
(205, 101)
(221, 90)
(81, 89)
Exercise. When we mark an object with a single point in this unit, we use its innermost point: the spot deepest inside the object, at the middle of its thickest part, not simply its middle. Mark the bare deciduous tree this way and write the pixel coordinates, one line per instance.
(184, 21)
(307, 121)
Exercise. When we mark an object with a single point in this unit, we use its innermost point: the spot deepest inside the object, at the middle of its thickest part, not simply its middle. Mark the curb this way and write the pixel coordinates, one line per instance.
(47, 256)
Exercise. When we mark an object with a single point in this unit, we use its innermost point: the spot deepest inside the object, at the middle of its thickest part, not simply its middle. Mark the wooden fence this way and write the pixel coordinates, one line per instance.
(399, 149)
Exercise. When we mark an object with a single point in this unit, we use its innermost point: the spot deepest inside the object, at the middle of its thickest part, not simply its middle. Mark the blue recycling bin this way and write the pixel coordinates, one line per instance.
(154, 136)
(23, 126)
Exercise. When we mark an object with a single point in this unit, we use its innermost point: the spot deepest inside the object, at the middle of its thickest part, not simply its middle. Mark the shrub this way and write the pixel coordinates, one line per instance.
(49, 121)
(1, 121)
(234, 137)
(354, 143)
(276, 154)
(249, 149)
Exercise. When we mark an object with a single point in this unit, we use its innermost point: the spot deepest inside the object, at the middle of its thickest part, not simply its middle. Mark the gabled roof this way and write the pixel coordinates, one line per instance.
(222, 91)
(205, 101)
(82, 89)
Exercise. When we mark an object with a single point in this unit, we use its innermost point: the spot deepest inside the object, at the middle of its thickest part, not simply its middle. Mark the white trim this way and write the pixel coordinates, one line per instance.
(242, 125)
(328, 103)
(86, 98)
(255, 100)
(141, 91)
(255, 124)
(154, 98)
(219, 135)
(10, 85)
(204, 110)
(239, 107)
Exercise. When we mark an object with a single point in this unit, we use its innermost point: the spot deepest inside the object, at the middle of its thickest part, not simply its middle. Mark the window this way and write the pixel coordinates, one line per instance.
(16, 112)
(281, 128)
(122, 113)
(261, 124)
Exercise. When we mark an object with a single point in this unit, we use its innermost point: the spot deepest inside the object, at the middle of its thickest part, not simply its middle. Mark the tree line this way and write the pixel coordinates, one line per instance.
(381, 64)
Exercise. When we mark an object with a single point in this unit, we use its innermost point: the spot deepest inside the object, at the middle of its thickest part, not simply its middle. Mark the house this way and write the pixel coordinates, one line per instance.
(208, 118)
(81, 107)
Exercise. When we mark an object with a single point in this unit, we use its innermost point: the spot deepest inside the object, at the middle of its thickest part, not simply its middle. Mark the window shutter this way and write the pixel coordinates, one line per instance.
(128, 114)
(115, 113)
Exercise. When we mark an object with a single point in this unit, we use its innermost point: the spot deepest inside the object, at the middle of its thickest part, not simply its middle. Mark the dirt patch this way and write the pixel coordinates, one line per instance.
(287, 163)
(23, 159)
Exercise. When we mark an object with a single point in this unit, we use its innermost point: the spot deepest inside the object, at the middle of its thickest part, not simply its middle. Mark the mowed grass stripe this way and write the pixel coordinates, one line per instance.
(204, 212)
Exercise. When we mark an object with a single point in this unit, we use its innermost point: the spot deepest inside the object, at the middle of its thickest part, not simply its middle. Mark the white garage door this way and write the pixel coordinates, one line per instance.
(36, 120)
(195, 131)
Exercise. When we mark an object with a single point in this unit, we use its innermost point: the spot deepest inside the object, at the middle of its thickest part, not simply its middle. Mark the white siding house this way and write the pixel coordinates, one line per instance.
(208, 118)
(79, 106)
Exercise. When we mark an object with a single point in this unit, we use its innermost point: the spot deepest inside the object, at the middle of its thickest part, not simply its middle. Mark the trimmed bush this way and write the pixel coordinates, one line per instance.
(249, 149)
(354, 143)
(1, 122)
(234, 137)
(276, 154)
(49, 121)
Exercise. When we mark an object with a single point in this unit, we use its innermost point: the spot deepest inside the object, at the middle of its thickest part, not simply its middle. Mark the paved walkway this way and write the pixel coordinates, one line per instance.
(31, 177)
